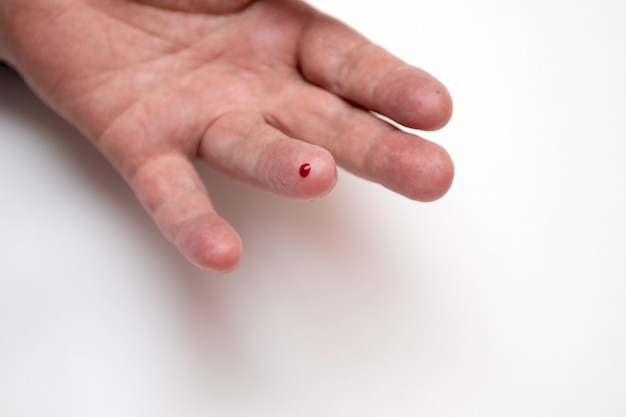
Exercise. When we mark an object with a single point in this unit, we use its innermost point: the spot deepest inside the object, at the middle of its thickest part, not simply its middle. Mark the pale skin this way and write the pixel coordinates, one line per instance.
(254, 88)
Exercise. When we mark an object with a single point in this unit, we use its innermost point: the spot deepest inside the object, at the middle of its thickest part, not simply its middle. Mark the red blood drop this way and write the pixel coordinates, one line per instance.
(305, 169)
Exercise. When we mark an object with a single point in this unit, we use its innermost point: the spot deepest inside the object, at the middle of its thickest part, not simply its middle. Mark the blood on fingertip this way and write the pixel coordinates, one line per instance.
(305, 170)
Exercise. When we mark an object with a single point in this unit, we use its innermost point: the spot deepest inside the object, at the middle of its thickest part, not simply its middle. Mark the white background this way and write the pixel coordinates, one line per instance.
(506, 298)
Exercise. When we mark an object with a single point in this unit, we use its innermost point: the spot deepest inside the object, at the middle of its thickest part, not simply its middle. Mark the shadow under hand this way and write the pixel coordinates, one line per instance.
(87, 166)
(318, 295)
(315, 294)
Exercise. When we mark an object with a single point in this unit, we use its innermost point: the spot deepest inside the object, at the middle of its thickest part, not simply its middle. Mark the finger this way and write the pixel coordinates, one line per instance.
(169, 188)
(244, 146)
(367, 146)
(342, 61)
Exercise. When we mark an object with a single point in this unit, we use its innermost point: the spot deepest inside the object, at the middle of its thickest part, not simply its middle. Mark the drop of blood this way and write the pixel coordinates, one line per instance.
(305, 169)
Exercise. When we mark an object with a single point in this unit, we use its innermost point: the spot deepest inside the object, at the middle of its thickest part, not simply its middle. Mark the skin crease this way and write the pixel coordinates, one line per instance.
(254, 88)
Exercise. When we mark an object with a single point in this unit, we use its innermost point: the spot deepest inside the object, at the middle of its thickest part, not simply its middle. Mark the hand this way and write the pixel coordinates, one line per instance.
(255, 88)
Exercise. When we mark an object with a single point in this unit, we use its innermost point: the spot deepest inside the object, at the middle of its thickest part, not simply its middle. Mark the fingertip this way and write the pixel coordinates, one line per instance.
(435, 176)
(416, 99)
(211, 245)
(413, 167)
(306, 173)
(436, 107)
(317, 177)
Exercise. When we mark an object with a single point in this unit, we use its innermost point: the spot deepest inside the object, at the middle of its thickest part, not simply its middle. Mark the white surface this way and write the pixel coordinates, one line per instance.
(506, 298)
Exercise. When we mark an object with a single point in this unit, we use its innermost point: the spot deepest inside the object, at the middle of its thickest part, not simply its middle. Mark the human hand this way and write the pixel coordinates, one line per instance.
(254, 88)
